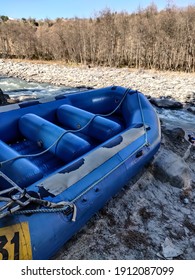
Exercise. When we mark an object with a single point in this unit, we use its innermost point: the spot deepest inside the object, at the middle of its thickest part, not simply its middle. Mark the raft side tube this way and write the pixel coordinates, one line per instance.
(21, 170)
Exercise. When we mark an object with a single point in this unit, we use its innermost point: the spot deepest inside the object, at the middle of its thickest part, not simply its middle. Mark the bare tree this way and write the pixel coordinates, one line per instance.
(147, 38)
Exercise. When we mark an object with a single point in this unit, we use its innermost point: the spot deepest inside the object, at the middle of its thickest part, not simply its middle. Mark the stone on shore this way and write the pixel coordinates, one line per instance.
(169, 167)
(169, 250)
(166, 103)
(191, 109)
(3, 98)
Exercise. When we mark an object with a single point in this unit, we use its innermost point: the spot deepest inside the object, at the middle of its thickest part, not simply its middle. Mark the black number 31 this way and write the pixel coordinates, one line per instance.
(15, 241)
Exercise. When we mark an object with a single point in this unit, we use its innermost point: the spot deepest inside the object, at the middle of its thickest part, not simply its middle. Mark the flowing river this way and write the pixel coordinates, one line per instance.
(22, 90)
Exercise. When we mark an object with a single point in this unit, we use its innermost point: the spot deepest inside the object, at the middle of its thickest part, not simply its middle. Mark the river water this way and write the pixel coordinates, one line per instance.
(22, 90)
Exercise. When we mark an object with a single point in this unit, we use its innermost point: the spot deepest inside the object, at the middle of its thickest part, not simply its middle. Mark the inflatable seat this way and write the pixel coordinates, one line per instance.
(100, 128)
(46, 133)
(21, 170)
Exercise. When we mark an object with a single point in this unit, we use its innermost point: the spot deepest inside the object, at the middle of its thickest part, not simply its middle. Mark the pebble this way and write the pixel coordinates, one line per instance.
(186, 200)
(179, 86)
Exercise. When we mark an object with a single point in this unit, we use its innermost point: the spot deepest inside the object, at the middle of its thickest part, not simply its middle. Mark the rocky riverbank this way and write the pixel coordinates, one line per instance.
(179, 86)
(153, 217)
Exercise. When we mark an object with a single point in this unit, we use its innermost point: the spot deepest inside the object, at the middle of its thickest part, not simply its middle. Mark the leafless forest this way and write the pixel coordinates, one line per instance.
(148, 38)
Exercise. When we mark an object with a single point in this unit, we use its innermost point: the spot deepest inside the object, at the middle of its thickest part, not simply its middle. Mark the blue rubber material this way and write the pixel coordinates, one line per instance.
(21, 171)
(100, 127)
(45, 133)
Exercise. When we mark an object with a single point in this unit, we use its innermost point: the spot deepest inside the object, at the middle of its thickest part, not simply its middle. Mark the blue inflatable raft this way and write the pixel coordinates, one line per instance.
(63, 158)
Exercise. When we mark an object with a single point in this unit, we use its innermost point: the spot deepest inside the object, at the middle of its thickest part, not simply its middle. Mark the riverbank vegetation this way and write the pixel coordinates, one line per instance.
(148, 38)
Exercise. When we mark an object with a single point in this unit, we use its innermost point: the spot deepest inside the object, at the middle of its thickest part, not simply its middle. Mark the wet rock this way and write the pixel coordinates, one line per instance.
(192, 109)
(27, 97)
(3, 98)
(190, 98)
(169, 167)
(176, 133)
(166, 103)
(13, 101)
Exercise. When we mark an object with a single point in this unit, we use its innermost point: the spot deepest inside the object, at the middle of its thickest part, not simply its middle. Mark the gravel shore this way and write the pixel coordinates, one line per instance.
(153, 217)
(179, 86)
